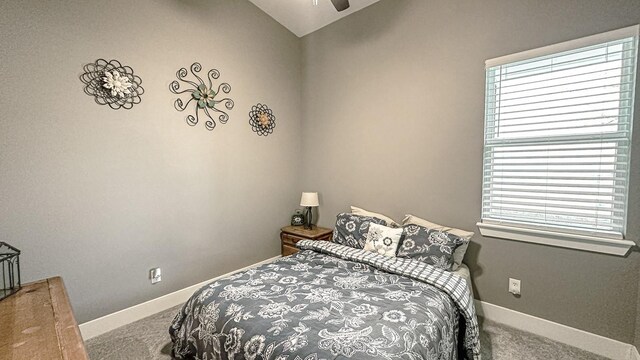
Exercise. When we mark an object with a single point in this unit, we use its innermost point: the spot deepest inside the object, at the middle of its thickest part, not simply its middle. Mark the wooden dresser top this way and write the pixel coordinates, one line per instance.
(37, 323)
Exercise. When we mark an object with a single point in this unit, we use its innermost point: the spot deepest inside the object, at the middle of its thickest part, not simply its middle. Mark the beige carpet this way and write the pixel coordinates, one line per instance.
(149, 339)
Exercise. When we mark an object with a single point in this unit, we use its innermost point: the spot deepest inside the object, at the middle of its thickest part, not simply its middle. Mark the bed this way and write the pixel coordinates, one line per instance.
(330, 301)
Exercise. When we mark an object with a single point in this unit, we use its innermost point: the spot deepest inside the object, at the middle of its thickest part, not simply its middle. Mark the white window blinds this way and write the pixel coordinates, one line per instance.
(558, 124)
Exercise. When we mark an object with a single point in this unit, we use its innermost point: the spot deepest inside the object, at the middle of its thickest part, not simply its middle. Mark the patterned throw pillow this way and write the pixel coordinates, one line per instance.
(351, 230)
(431, 246)
(383, 240)
(458, 255)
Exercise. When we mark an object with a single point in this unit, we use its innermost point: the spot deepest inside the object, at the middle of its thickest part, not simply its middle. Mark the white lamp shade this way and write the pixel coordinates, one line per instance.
(309, 199)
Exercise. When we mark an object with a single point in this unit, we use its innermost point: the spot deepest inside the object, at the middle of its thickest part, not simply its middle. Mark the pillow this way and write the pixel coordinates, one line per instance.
(431, 246)
(351, 230)
(363, 212)
(383, 240)
(458, 255)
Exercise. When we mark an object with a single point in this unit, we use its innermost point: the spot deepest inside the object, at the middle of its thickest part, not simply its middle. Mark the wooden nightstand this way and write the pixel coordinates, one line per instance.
(290, 235)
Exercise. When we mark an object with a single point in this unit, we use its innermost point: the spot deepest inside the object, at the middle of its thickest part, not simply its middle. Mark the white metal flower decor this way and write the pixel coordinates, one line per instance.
(111, 83)
(118, 85)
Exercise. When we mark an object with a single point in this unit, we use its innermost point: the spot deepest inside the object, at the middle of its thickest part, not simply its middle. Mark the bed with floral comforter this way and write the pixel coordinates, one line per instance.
(330, 301)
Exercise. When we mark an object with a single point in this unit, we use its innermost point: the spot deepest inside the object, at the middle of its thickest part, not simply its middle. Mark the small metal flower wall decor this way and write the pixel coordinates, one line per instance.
(111, 83)
(206, 99)
(262, 120)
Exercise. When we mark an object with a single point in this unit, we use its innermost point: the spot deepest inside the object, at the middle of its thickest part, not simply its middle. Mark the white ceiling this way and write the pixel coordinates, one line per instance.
(301, 17)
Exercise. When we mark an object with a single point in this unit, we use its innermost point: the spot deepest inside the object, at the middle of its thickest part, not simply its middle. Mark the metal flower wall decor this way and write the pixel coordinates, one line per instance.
(206, 98)
(262, 120)
(111, 83)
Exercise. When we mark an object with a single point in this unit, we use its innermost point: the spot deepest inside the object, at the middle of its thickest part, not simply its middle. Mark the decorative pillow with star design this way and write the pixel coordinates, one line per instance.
(383, 240)
(434, 247)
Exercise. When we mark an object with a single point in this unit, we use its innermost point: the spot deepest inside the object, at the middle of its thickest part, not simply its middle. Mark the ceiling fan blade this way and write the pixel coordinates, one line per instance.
(340, 5)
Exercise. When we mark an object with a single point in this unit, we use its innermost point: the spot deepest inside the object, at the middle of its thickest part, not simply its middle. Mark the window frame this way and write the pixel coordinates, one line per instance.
(532, 233)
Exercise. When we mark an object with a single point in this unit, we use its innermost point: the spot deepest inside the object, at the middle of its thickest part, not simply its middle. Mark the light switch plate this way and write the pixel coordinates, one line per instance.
(155, 275)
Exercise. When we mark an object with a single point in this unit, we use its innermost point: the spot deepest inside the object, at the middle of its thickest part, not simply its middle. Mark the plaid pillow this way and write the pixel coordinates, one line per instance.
(434, 247)
(351, 230)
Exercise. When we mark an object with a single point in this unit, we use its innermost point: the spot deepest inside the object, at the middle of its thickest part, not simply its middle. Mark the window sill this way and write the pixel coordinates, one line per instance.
(571, 241)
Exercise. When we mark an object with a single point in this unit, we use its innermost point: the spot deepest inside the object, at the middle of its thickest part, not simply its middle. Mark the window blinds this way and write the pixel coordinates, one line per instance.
(558, 125)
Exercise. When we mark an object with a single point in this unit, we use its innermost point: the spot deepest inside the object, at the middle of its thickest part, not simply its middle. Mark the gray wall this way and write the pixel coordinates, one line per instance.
(100, 196)
(394, 103)
(637, 339)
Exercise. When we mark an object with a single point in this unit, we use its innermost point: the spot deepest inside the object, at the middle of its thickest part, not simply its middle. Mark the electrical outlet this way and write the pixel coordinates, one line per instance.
(155, 275)
(514, 286)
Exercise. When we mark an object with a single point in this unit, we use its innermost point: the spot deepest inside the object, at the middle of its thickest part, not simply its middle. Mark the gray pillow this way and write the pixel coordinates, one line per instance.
(431, 246)
(351, 230)
(458, 255)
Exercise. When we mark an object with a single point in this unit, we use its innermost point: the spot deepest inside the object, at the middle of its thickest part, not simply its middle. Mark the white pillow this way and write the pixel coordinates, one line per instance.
(458, 253)
(383, 239)
(363, 212)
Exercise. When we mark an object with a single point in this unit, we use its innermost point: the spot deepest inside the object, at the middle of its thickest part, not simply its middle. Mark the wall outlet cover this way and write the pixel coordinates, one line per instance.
(514, 286)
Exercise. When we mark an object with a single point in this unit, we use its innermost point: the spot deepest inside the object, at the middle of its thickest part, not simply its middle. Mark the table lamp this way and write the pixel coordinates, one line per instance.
(309, 200)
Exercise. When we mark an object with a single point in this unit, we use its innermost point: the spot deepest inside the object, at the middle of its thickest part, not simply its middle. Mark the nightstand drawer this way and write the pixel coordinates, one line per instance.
(290, 239)
(288, 250)
(290, 235)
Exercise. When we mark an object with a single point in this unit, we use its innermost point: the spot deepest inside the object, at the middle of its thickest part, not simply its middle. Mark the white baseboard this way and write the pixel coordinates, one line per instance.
(594, 343)
(126, 316)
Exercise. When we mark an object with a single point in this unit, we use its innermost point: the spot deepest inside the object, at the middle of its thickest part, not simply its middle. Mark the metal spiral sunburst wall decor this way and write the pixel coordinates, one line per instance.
(205, 97)
(262, 120)
(111, 83)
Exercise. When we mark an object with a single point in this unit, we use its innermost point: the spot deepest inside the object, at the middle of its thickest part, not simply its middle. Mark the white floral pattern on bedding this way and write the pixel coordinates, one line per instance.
(313, 305)
(431, 246)
(351, 230)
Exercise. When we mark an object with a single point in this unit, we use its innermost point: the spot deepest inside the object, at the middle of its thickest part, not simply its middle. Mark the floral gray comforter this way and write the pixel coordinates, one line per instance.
(326, 302)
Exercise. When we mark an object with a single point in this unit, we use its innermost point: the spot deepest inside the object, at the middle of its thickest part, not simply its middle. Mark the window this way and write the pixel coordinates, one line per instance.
(558, 126)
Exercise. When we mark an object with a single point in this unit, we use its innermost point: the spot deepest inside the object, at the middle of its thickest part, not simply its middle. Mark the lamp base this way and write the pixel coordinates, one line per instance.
(308, 224)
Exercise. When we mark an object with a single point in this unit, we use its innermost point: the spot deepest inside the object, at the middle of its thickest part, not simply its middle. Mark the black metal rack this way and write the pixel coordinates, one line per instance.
(9, 270)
